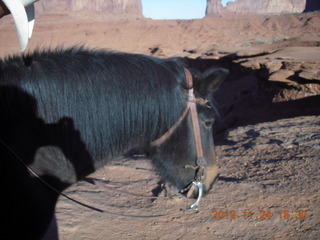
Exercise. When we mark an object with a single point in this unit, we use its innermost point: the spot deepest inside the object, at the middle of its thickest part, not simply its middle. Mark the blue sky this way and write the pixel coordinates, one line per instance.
(224, 2)
(175, 9)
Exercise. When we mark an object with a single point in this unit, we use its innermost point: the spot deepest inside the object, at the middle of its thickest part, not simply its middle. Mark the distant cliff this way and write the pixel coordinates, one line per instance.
(244, 7)
(130, 7)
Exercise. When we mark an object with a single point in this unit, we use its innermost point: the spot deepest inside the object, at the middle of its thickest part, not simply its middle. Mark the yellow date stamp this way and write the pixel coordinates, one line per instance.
(260, 214)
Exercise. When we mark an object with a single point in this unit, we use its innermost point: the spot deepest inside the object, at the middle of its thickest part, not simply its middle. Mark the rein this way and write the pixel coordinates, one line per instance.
(201, 162)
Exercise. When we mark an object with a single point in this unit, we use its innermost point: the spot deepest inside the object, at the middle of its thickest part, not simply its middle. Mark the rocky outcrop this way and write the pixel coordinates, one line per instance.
(243, 7)
(133, 7)
(214, 8)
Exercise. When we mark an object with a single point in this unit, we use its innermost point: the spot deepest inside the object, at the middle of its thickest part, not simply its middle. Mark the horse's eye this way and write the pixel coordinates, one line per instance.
(208, 124)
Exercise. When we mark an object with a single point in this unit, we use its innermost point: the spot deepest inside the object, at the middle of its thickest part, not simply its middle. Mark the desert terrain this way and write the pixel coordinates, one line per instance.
(267, 138)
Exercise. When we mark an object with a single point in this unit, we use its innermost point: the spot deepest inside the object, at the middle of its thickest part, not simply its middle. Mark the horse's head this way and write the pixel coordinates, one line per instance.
(185, 154)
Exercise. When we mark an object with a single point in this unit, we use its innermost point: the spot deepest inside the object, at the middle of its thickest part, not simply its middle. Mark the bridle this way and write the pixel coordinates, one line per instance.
(201, 162)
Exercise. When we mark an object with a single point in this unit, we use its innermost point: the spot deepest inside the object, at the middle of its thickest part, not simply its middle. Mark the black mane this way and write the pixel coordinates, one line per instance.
(114, 99)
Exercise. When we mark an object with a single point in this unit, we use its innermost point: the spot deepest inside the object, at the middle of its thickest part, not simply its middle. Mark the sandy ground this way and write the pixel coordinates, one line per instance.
(268, 146)
(268, 189)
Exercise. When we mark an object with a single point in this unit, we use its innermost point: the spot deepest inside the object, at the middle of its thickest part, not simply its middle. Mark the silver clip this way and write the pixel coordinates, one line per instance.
(199, 185)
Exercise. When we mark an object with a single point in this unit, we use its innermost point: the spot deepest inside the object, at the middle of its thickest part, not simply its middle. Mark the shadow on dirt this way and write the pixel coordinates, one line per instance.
(247, 97)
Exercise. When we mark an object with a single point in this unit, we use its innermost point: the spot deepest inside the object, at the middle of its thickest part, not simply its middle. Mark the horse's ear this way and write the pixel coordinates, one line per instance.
(210, 80)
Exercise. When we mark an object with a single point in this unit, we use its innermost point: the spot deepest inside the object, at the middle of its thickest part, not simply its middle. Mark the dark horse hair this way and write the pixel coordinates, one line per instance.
(73, 109)
(122, 95)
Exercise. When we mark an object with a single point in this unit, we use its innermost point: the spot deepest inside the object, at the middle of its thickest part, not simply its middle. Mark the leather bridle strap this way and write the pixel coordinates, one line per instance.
(201, 162)
(165, 136)
(194, 114)
(192, 106)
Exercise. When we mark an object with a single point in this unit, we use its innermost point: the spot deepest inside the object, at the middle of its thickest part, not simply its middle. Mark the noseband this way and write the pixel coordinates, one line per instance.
(201, 162)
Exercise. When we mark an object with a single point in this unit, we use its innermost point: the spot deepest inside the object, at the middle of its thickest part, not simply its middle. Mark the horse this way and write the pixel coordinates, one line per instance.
(66, 112)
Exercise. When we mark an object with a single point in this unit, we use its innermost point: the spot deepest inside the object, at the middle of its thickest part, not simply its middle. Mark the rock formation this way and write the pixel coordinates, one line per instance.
(214, 8)
(242, 7)
(131, 7)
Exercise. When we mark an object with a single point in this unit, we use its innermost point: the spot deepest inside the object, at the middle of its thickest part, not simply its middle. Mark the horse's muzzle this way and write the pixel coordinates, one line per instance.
(199, 188)
(210, 178)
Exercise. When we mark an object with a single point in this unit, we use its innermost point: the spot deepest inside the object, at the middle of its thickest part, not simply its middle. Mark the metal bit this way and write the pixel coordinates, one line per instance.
(199, 185)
